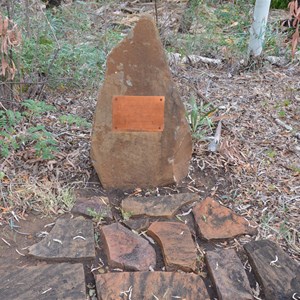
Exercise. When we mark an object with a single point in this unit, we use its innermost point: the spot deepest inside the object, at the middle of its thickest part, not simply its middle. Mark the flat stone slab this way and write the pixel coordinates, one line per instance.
(125, 249)
(137, 67)
(69, 239)
(57, 281)
(228, 275)
(277, 273)
(164, 206)
(219, 222)
(94, 206)
(177, 245)
(150, 285)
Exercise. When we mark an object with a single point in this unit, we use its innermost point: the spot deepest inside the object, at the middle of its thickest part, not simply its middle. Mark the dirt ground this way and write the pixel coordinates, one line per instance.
(18, 236)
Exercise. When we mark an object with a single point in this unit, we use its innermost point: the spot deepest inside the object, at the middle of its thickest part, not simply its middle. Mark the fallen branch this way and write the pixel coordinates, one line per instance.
(194, 59)
(176, 58)
(279, 61)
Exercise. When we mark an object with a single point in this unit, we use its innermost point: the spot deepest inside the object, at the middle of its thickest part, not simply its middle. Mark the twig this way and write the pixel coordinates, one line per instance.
(19, 252)
(57, 241)
(54, 56)
(156, 13)
(44, 292)
(79, 237)
(22, 233)
(6, 242)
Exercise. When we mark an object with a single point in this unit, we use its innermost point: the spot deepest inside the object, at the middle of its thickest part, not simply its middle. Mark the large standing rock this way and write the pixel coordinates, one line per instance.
(126, 159)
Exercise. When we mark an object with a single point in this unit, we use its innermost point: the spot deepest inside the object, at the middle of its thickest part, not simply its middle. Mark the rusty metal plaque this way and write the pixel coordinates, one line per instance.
(138, 113)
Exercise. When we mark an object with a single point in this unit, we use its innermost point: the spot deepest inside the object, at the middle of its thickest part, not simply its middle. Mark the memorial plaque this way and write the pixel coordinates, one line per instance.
(138, 113)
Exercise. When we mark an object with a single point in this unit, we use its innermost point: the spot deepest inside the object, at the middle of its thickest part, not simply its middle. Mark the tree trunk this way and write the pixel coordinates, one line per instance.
(258, 28)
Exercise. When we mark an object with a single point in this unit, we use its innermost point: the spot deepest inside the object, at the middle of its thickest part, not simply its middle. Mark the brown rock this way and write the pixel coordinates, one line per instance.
(177, 245)
(69, 239)
(150, 285)
(137, 224)
(219, 222)
(125, 249)
(57, 281)
(95, 206)
(165, 206)
(278, 274)
(228, 275)
(126, 159)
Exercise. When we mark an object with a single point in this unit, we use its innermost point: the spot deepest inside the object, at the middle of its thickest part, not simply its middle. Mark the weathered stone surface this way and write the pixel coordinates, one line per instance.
(177, 245)
(165, 206)
(150, 285)
(137, 67)
(278, 274)
(125, 249)
(137, 224)
(57, 281)
(69, 239)
(95, 206)
(219, 222)
(228, 275)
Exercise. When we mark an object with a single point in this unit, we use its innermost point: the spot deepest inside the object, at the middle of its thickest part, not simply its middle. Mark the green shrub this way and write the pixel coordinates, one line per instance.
(66, 48)
(74, 120)
(199, 119)
(36, 108)
(8, 136)
(14, 136)
(279, 4)
(44, 143)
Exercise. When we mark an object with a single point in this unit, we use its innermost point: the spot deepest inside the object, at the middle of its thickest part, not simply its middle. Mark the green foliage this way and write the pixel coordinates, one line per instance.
(9, 118)
(271, 153)
(44, 143)
(126, 214)
(2, 175)
(66, 199)
(280, 4)
(13, 136)
(70, 51)
(36, 108)
(74, 120)
(281, 113)
(221, 29)
(281, 108)
(295, 169)
(97, 217)
(199, 118)
(48, 198)
(8, 137)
